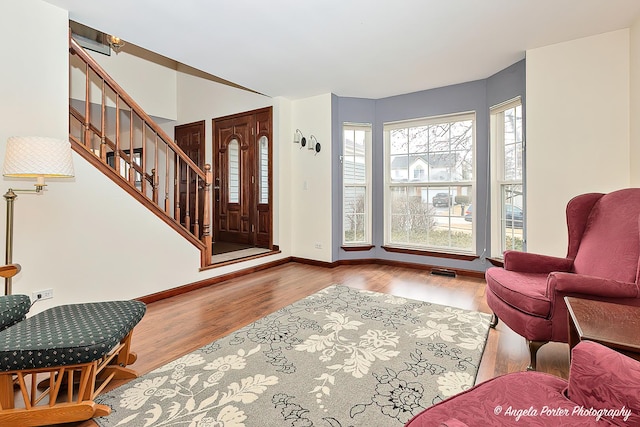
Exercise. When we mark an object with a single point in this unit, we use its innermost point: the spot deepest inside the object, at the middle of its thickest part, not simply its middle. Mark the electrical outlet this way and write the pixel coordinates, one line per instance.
(318, 245)
(43, 294)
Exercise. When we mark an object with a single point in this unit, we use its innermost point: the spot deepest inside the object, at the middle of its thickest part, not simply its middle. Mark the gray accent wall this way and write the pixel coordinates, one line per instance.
(477, 96)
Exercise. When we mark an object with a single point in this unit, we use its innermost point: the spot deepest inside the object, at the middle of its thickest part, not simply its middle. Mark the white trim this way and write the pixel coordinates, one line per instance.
(429, 186)
(368, 148)
(498, 180)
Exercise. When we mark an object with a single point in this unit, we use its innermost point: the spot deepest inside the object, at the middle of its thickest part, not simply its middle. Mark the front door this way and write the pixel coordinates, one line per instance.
(242, 178)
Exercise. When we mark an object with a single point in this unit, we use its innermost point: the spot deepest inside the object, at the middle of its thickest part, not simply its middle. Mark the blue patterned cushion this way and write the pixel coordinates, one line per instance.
(13, 308)
(68, 334)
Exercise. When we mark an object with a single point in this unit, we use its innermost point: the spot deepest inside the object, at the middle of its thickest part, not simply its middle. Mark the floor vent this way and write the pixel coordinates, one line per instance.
(443, 272)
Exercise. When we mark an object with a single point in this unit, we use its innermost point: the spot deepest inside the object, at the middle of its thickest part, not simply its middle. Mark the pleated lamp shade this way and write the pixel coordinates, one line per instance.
(37, 157)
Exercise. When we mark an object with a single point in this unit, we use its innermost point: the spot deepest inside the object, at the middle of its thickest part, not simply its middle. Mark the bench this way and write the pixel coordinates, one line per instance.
(62, 358)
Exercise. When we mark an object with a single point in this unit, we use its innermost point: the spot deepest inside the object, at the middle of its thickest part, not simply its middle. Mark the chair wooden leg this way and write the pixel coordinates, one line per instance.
(534, 346)
(123, 357)
(6, 391)
(494, 321)
(58, 403)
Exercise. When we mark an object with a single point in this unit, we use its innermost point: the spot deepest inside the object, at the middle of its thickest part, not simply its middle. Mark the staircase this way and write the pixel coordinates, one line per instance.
(112, 132)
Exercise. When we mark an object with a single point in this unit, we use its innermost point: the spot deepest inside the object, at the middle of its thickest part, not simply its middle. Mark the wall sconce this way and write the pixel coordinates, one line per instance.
(116, 43)
(32, 157)
(314, 144)
(298, 138)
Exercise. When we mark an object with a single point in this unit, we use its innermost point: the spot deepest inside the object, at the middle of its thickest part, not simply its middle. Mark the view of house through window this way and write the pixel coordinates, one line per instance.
(430, 183)
(507, 206)
(356, 180)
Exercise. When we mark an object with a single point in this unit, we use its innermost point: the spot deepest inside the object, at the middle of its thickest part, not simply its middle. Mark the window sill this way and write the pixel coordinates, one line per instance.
(357, 248)
(423, 252)
(498, 262)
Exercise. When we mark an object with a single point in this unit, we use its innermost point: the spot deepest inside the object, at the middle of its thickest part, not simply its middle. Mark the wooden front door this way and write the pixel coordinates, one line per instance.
(190, 138)
(242, 178)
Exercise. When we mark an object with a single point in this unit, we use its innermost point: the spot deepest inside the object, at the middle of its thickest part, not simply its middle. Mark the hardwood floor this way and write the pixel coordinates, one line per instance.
(180, 324)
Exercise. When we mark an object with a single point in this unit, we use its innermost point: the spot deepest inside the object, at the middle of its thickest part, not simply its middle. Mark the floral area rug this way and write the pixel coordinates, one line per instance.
(340, 357)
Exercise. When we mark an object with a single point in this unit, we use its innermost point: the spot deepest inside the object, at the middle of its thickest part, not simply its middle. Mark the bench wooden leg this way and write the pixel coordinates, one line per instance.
(58, 403)
(47, 415)
(6, 391)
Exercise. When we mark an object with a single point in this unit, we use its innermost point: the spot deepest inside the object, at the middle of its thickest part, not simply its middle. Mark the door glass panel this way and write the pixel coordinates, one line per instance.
(263, 166)
(234, 171)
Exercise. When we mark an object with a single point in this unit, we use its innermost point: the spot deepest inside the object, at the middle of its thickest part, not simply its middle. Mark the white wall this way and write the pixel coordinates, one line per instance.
(153, 85)
(34, 102)
(311, 179)
(200, 99)
(282, 175)
(578, 119)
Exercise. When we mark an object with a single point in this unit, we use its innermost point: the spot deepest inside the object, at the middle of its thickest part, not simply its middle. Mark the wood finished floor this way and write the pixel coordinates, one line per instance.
(183, 323)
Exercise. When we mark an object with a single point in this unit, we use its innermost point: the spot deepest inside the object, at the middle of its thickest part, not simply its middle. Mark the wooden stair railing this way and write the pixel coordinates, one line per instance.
(112, 132)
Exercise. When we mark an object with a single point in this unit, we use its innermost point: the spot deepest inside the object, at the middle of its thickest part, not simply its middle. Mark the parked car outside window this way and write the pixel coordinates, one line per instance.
(514, 216)
(442, 199)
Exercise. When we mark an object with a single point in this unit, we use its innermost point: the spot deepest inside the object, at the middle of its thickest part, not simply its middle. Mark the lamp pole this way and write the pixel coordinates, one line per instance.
(10, 197)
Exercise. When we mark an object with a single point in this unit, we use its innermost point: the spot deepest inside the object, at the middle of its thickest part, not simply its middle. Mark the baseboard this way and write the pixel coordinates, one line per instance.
(219, 279)
(211, 281)
(393, 263)
(314, 262)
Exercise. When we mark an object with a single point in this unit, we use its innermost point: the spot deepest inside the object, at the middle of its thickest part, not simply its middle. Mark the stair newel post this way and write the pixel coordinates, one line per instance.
(206, 216)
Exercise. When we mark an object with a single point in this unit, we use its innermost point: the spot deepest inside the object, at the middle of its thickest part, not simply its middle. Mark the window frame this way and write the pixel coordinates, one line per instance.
(368, 205)
(389, 184)
(498, 180)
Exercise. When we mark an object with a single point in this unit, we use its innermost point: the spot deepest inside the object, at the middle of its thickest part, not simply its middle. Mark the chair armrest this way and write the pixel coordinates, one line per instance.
(602, 378)
(525, 262)
(589, 285)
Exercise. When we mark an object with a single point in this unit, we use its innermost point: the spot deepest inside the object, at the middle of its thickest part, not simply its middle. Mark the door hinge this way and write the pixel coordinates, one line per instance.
(253, 179)
(253, 228)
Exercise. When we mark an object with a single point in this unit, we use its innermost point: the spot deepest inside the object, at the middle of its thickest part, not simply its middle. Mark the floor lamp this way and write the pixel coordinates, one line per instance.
(32, 157)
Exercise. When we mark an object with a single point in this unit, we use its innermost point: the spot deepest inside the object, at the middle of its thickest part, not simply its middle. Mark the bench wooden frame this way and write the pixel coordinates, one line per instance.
(68, 392)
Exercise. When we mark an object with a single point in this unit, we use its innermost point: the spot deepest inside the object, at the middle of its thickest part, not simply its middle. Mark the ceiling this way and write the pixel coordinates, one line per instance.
(352, 48)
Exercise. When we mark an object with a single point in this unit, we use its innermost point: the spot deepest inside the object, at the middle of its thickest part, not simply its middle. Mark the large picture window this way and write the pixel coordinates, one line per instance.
(507, 205)
(430, 182)
(356, 180)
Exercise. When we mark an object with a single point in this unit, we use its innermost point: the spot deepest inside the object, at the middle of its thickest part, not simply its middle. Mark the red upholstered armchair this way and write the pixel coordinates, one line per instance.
(601, 264)
(603, 389)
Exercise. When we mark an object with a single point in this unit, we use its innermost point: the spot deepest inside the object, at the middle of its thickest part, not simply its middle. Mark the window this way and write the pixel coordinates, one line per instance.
(234, 171)
(356, 181)
(263, 170)
(429, 180)
(507, 204)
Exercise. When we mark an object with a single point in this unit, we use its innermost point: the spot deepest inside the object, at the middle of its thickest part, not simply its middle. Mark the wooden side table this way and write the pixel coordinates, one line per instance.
(613, 325)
